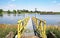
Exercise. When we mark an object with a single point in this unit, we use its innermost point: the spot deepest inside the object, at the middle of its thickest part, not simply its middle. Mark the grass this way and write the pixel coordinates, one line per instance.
(54, 29)
(5, 29)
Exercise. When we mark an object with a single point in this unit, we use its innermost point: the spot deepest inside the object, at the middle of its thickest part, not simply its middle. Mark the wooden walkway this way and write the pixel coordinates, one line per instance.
(29, 33)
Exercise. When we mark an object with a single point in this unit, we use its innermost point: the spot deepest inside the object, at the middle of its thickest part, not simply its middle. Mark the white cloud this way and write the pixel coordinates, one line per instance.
(53, 7)
(12, 5)
(9, 7)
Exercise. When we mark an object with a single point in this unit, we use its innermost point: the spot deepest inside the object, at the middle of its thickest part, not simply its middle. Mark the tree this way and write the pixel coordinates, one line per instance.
(8, 11)
(18, 11)
(14, 11)
(24, 10)
(1, 14)
(1, 11)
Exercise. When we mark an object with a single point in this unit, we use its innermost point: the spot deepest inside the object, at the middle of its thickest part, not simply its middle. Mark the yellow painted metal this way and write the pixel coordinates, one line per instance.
(41, 26)
(35, 21)
(44, 29)
(21, 26)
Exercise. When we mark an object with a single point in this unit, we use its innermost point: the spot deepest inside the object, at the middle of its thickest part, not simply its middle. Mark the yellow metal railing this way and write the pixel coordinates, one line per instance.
(21, 26)
(40, 26)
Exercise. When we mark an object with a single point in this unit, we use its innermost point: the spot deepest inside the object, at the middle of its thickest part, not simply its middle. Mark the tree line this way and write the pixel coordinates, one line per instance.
(27, 11)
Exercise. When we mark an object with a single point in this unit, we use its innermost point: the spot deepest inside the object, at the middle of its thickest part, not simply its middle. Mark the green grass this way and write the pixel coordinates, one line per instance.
(55, 30)
(5, 30)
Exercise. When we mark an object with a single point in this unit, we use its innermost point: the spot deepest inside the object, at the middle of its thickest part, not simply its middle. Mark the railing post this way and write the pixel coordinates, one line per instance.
(36, 23)
(44, 29)
(19, 26)
(41, 28)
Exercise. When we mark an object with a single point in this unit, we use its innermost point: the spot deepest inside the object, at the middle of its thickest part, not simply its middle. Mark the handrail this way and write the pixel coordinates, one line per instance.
(21, 26)
(40, 26)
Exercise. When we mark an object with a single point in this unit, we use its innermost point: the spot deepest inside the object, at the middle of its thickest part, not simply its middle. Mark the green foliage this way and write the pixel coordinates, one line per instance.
(27, 11)
(14, 11)
(5, 31)
(56, 31)
(1, 10)
(8, 11)
(18, 11)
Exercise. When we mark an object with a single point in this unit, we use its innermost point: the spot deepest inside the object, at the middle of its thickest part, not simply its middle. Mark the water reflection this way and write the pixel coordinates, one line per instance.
(1, 15)
(14, 14)
(13, 18)
(8, 14)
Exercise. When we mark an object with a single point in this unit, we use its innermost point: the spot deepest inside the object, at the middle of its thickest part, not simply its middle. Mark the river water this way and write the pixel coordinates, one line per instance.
(13, 18)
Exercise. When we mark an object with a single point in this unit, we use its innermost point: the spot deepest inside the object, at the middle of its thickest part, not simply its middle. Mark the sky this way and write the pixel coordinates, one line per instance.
(41, 5)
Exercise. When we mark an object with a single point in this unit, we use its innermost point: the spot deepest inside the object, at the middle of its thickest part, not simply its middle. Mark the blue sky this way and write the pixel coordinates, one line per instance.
(41, 5)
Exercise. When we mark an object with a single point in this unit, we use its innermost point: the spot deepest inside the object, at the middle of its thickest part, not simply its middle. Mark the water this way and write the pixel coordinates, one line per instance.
(12, 18)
